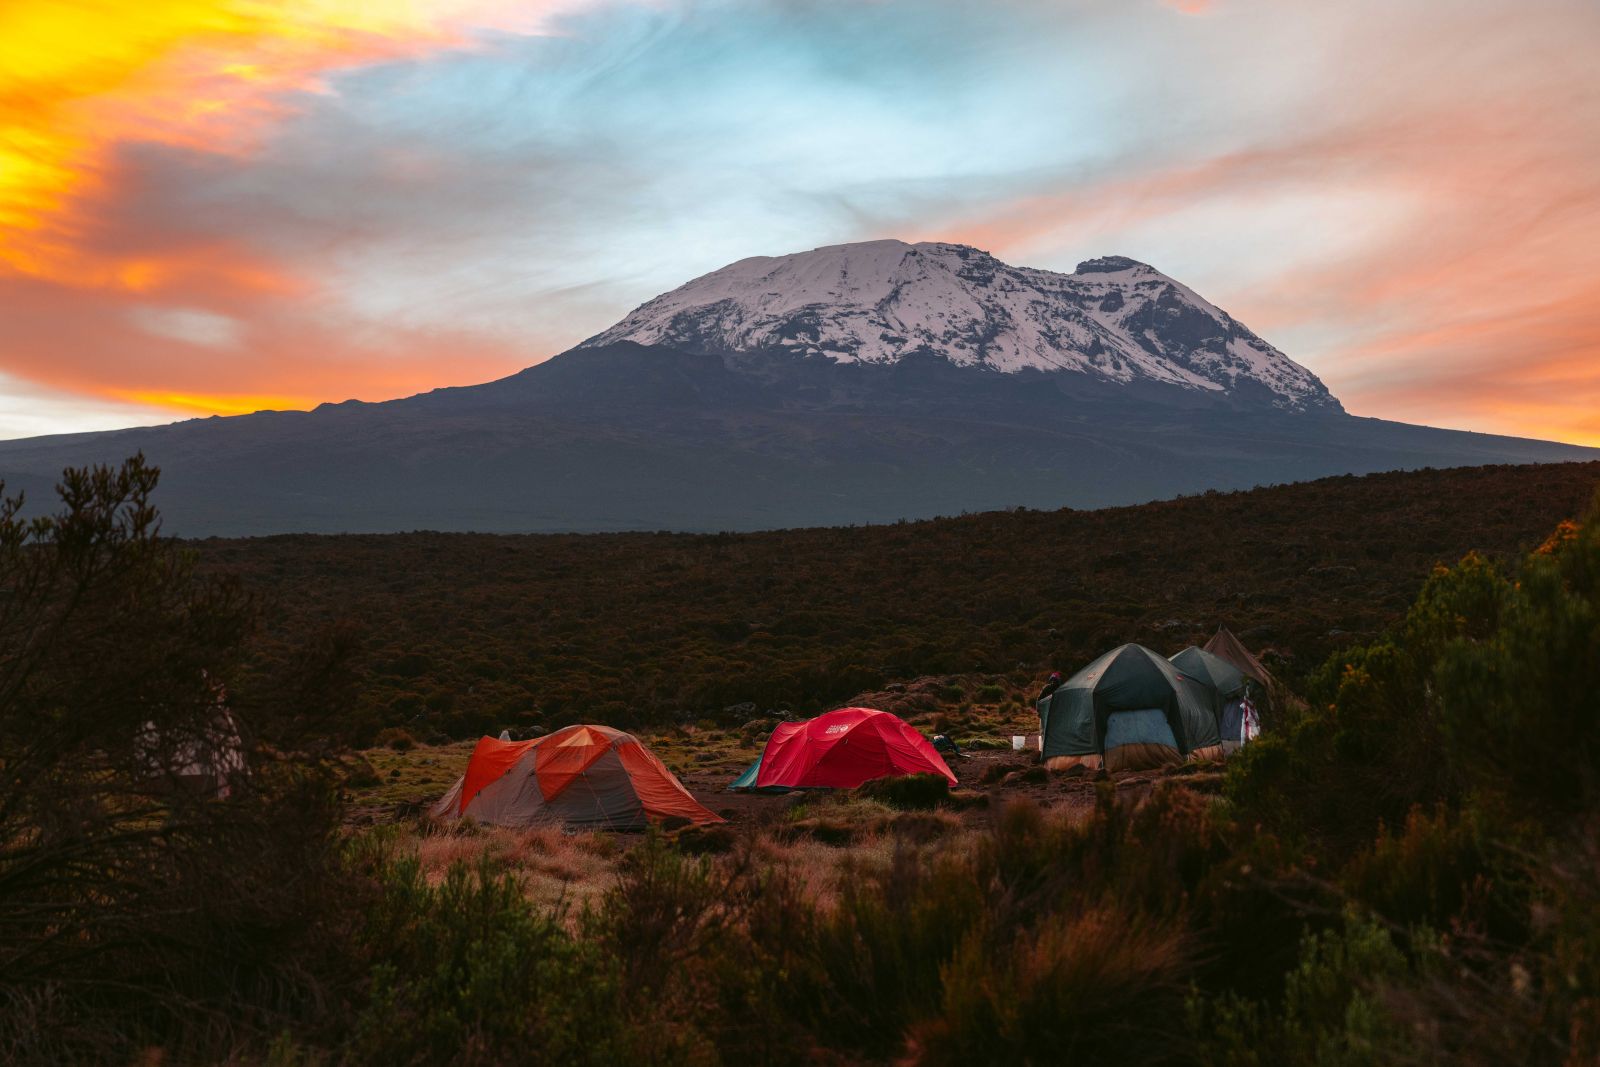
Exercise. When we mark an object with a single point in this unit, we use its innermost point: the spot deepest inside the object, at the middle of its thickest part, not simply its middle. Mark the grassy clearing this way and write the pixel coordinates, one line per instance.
(386, 779)
(692, 749)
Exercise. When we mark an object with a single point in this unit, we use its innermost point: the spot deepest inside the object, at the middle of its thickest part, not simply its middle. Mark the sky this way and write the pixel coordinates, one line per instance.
(216, 206)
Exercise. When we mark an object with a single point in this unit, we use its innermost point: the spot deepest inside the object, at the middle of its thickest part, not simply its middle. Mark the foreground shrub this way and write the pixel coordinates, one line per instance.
(470, 972)
(1487, 874)
(1486, 688)
(1521, 708)
(879, 954)
(1331, 1013)
(166, 845)
(909, 791)
(1444, 869)
(1099, 986)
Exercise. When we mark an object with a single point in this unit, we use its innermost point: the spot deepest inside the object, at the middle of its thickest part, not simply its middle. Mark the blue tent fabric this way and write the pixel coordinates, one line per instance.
(1233, 721)
(747, 780)
(1146, 726)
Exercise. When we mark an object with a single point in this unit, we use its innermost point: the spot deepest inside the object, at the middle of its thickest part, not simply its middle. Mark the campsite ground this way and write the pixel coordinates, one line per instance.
(815, 835)
(406, 777)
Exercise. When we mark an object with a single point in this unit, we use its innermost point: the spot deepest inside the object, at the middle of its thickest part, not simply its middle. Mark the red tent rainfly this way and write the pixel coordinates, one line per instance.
(844, 748)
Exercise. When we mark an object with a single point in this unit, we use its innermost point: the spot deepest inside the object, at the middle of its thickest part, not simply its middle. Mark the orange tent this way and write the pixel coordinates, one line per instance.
(582, 776)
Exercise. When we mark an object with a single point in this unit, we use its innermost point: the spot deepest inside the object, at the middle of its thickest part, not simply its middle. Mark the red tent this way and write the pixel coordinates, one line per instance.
(844, 748)
(591, 776)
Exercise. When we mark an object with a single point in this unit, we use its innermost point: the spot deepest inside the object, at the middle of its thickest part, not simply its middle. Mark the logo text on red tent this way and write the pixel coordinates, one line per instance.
(838, 728)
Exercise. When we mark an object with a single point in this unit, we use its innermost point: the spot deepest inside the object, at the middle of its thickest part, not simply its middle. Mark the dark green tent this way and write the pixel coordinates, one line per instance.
(1225, 687)
(1130, 708)
(1211, 671)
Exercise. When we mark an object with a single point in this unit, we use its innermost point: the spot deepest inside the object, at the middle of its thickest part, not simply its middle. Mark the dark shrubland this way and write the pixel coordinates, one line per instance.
(1395, 877)
(466, 634)
(134, 905)
(1404, 871)
(468, 972)
(1447, 775)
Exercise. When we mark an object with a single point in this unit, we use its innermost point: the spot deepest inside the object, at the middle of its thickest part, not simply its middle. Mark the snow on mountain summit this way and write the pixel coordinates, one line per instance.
(876, 301)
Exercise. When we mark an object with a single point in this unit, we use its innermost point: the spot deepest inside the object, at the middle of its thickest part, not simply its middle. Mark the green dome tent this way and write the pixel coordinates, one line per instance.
(1213, 672)
(1226, 687)
(1128, 710)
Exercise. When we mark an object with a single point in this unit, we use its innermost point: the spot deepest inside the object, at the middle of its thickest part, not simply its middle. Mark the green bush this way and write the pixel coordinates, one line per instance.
(1331, 1013)
(1473, 728)
(878, 957)
(142, 904)
(909, 791)
(1441, 868)
(469, 971)
(1521, 707)
(395, 737)
(1485, 687)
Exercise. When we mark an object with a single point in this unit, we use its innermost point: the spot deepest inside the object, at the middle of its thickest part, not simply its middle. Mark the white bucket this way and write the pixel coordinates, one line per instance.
(1019, 742)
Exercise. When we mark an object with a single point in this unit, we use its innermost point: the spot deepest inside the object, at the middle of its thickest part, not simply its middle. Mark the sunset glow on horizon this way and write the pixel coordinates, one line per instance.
(211, 206)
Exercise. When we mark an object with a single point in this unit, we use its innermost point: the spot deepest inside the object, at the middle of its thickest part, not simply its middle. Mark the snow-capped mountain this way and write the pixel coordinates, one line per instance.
(874, 302)
(864, 383)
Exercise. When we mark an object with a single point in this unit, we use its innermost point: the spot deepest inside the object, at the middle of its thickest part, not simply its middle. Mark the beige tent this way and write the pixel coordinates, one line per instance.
(1225, 645)
(207, 757)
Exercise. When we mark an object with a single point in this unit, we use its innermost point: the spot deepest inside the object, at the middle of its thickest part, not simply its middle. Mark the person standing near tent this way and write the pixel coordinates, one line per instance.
(1050, 686)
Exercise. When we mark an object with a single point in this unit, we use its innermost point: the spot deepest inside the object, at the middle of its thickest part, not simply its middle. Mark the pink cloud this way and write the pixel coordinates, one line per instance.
(1476, 306)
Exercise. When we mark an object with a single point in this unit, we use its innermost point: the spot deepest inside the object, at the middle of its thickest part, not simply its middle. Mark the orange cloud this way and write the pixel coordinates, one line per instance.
(277, 360)
(79, 80)
(79, 77)
(1529, 368)
(231, 404)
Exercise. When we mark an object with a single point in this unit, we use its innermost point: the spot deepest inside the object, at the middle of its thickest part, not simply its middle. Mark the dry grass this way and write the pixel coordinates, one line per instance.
(411, 778)
(553, 866)
(822, 839)
(692, 748)
(576, 868)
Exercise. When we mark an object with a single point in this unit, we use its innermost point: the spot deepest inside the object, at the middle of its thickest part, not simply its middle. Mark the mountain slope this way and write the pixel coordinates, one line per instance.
(697, 435)
(1114, 318)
